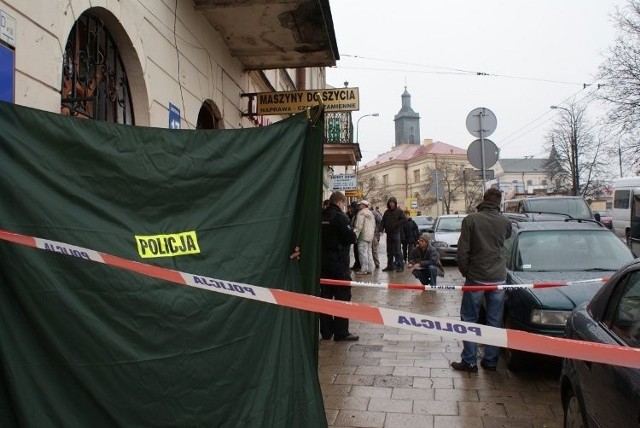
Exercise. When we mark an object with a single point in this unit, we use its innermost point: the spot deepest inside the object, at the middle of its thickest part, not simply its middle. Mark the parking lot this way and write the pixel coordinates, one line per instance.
(392, 378)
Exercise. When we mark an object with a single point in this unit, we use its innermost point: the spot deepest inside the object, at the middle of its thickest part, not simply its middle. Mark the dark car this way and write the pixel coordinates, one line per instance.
(424, 223)
(596, 394)
(551, 250)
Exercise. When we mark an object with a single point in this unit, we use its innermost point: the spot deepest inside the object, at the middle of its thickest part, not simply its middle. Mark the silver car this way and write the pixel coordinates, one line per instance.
(445, 235)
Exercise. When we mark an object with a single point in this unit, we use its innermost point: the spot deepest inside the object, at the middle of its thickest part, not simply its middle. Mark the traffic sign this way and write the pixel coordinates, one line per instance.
(474, 153)
(481, 122)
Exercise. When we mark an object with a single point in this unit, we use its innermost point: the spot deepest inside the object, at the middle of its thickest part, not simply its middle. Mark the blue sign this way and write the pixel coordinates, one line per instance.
(7, 74)
(174, 117)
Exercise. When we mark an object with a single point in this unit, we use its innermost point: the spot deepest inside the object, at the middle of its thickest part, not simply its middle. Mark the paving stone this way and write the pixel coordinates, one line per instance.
(456, 422)
(393, 381)
(338, 402)
(390, 405)
(456, 395)
(431, 407)
(495, 422)
(412, 394)
(374, 370)
(468, 408)
(407, 420)
(370, 391)
(358, 418)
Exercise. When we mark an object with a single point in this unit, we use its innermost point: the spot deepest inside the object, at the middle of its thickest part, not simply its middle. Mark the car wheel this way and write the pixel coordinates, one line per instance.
(515, 360)
(573, 412)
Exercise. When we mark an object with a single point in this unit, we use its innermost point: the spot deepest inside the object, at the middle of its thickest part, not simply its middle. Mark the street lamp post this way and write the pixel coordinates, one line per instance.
(575, 177)
(358, 124)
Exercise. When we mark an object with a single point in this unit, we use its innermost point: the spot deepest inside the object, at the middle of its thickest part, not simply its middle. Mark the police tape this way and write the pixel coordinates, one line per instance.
(418, 323)
(484, 287)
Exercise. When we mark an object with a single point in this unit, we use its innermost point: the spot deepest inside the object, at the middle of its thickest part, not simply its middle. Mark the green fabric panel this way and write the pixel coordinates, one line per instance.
(85, 344)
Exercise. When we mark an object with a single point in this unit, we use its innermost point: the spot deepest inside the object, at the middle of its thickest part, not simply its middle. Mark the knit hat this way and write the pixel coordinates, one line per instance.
(425, 236)
(363, 202)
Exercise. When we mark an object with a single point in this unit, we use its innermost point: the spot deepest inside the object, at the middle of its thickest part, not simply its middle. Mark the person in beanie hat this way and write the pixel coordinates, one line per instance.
(424, 261)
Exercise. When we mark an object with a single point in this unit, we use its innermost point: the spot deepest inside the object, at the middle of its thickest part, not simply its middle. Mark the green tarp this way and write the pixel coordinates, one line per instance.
(90, 345)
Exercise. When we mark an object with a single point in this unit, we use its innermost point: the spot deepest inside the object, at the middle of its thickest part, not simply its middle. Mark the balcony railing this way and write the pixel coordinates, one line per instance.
(338, 128)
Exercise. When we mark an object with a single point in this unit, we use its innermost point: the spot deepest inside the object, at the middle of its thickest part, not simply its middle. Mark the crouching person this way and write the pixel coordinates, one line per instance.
(424, 261)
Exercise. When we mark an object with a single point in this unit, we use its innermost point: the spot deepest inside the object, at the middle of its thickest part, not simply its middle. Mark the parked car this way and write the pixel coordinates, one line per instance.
(445, 235)
(424, 223)
(574, 206)
(551, 250)
(596, 394)
(605, 217)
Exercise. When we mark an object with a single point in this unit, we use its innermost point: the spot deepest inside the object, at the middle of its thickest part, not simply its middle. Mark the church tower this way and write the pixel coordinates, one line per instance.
(407, 122)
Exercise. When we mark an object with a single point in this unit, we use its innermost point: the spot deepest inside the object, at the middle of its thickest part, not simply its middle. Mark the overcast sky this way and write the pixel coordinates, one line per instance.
(538, 53)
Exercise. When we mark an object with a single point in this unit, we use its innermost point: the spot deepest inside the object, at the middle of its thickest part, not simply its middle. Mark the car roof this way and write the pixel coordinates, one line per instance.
(452, 215)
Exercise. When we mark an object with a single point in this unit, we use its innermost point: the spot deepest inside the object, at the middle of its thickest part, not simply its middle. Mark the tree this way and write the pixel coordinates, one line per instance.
(621, 79)
(453, 182)
(576, 153)
(373, 190)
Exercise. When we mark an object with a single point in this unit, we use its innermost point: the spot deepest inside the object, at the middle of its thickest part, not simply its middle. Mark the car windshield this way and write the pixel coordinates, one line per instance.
(570, 250)
(421, 221)
(449, 224)
(576, 208)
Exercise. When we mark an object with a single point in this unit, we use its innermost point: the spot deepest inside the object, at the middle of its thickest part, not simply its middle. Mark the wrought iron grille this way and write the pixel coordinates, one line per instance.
(94, 80)
(338, 127)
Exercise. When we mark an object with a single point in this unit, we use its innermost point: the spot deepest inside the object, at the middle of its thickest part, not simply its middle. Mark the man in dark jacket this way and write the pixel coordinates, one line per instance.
(424, 260)
(337, 238)
(481, 261)
(392, 221)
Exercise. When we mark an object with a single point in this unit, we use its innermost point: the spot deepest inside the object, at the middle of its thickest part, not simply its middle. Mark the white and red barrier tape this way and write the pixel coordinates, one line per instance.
(444, 327)
(494, 287)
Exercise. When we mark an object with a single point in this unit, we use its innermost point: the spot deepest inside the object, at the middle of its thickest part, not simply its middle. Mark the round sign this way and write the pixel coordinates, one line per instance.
(474, 154)
(481, 119)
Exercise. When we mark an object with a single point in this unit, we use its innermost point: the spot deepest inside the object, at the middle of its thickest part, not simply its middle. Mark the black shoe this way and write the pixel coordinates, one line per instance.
(464, 367)
(327, 336)
(487, 367)
(387, 269)
(349, 337)
(399, 269)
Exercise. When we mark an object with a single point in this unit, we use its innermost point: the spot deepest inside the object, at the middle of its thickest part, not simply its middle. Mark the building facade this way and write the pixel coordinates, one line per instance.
(428, 178)
(185, 64)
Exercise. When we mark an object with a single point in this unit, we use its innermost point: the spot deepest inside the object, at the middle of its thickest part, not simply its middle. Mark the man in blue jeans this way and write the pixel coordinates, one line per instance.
(480, 261)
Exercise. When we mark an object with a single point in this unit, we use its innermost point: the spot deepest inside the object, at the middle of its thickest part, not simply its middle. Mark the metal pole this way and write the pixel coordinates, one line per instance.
(484, 174)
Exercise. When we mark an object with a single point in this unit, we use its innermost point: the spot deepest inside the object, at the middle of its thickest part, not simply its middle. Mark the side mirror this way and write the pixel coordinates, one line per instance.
(597, 216)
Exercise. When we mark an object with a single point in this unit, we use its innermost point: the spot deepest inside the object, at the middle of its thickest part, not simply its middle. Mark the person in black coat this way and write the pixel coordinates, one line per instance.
(391, 223)
(337, 238)
(408, 235)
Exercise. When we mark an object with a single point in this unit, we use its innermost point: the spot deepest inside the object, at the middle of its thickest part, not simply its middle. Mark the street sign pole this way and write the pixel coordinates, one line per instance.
(484, 176)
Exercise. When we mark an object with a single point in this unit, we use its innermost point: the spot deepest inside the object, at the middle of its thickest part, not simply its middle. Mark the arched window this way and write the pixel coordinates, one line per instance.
(94, 80)
(209, 117)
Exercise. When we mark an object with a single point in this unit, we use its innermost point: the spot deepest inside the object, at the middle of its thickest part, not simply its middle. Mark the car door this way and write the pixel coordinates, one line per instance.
(612, 393)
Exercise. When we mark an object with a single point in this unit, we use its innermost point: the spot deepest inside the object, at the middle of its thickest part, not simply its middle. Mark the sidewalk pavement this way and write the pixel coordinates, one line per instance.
(394, 378)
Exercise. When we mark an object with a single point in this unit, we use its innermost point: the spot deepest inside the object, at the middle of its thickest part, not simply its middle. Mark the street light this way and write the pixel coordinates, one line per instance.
(358, 124)
(575, 176)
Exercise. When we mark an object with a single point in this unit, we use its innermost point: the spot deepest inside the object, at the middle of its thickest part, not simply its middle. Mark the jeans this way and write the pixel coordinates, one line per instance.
(470, 310)
(426, 276)
(394, 251)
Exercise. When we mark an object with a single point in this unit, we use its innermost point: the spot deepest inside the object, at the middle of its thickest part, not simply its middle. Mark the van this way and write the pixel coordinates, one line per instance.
(574, 206)
(623, 191)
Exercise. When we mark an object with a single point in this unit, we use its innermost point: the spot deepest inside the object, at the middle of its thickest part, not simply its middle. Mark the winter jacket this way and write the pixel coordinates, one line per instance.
(409, 233)
(482, 237)
(365, 225)
(392, 218)
(426, 258)
(337, 237)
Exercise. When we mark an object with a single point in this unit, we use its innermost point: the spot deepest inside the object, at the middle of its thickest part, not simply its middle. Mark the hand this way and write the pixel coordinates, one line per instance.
(410, 266)
(296, 254)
